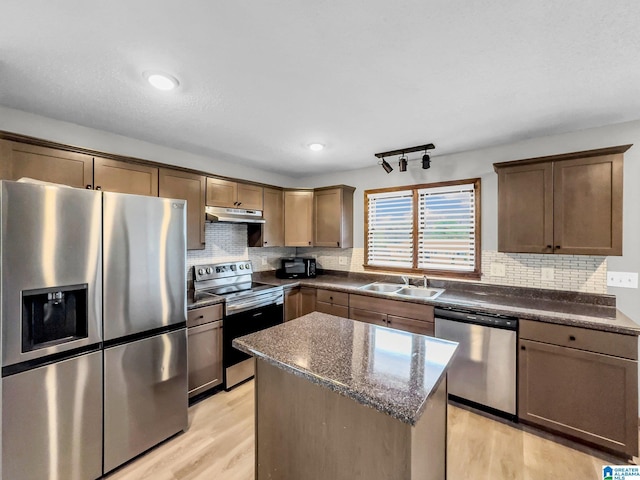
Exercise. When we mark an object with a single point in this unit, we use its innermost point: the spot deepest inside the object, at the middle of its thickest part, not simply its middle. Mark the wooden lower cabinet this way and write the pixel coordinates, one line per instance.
(590, 396)
(410, 325)
(307, 300)
(367, 316)
(332, 302)
(406, 316)
(332, 309)
(291, 303)
(190, 187)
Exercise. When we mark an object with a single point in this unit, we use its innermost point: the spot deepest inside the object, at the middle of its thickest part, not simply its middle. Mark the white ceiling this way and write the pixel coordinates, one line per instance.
(262, 79)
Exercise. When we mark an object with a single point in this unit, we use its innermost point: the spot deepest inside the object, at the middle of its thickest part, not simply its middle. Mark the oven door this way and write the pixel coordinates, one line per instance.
(238, 366)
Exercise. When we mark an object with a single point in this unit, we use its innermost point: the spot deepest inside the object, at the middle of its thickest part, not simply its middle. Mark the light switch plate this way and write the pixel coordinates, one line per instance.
(264, 261)
(622, 279)
(342, 260)
(546, 273)
(498, 270)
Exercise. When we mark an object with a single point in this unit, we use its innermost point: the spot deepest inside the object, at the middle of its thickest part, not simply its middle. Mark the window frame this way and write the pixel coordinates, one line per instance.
(474, 275)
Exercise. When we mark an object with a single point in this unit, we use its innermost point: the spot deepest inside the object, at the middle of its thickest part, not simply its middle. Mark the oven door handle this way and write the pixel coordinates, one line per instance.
(261, 301)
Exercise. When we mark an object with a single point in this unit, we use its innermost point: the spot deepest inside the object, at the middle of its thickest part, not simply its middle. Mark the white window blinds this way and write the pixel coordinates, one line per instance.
(390, 229)
(446, 230)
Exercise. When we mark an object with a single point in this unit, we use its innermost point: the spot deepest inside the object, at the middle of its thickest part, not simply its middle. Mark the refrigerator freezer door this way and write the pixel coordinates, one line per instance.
(145, 397)
(144, 263)
(51, 237)
(52, 421)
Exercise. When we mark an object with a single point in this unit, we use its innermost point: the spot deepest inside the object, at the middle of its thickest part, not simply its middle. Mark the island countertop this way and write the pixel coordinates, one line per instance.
(393, 371)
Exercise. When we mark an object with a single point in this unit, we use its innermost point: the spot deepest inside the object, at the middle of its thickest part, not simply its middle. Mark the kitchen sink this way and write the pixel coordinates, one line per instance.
(419, 292)
(382, 287)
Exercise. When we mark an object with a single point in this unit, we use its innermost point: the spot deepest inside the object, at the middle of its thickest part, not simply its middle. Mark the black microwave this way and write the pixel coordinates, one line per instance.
(298, 267)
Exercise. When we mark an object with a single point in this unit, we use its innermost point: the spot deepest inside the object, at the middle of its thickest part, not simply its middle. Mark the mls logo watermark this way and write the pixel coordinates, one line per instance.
(620, 472)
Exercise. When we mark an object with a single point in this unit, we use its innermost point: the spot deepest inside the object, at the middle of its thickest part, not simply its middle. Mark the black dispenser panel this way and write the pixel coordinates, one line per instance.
(51, 316)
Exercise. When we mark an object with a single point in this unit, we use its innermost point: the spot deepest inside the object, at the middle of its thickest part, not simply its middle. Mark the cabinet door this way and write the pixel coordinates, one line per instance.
(367, 316)
(249, 196)
(328, 217)
(587, 395)
(298, 213)
(332, 309)
(204, 350)
(525, 208)
(292, 298)
(307, 300)
(46, 164)
(189, 187)
(221, 193)
(123, 177)
(273, 213)
(411, 325)
(588, 206)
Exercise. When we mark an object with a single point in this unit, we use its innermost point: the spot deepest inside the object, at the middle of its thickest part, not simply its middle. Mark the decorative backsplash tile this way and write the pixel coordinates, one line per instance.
(227, 242)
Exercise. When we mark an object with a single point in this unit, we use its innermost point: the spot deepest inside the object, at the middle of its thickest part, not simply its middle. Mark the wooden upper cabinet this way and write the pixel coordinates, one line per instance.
(189, 187)
(333, 217)
(273, 214)
(224, 193)
(124, 177)
(19, 160)
(565, 204)
(298, 218)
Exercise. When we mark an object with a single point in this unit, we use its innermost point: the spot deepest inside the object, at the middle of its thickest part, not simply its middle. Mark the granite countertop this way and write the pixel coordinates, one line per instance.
(393, 371)
(592, 311)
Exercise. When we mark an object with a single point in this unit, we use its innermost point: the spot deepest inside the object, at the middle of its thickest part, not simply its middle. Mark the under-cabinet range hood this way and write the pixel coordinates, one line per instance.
(233, 215)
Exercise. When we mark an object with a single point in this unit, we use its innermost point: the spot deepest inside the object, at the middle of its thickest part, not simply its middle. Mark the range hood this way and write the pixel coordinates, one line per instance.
(233, 215)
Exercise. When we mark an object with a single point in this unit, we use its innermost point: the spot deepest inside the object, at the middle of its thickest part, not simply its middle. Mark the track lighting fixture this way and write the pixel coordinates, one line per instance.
(426, 160)
(402, 164)
(387, 168)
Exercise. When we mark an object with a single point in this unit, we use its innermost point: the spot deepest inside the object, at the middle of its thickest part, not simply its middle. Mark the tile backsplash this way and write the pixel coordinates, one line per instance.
(227, 242)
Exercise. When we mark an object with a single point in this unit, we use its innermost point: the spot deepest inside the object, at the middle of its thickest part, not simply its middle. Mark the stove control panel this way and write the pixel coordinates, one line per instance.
(221, 270)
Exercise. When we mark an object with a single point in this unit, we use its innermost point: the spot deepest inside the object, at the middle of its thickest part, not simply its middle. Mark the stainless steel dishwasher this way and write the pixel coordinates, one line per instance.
(483, 372)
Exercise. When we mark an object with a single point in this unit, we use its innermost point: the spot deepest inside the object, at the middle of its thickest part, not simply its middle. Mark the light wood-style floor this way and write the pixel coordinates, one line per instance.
(220, 445)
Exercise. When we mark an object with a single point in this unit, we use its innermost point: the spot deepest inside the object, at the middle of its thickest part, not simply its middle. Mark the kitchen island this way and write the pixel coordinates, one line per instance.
(348, 400)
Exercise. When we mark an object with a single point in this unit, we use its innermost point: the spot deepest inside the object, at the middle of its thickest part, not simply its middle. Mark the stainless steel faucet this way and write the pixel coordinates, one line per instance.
(405, 279)
(426, 281)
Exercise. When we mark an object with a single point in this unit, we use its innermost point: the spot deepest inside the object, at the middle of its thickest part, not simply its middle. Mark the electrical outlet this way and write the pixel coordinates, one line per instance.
(622, 279)
(498, 270)
(342, 260)
(546, 273)
(265, 261)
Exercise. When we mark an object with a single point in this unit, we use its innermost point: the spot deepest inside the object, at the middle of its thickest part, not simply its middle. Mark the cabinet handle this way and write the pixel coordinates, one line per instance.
(550, 246)
(330, 298)
(200, 317)
(338, 243)
(265, 242)
(89, 187)
(558, 247)
(572, 338)
(309, 243)
(98, 187)
(522, 347)
(239, 203)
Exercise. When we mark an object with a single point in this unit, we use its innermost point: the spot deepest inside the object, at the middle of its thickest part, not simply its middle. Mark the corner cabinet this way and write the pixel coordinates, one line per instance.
(298, 218)
(225, 193)
(333, 217)
(581, 383)
(564, 204)
(190, 187)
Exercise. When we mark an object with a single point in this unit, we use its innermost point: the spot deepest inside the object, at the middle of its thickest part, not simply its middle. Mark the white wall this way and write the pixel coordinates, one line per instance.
(17, 121)
(479, 163)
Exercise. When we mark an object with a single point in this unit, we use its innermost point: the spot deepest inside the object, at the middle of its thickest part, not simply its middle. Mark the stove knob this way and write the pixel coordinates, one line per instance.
(201, 271)
(217, 269)
(233, 268)
(241, 267)
(246, 266)
(209, 270)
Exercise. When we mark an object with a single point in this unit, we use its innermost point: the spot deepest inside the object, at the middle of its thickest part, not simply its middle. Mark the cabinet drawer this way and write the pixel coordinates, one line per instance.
(609, 343)
(199, 316)
(392, 307)
(336, 298)
(409, 325)
(376, 318)
(337, 310)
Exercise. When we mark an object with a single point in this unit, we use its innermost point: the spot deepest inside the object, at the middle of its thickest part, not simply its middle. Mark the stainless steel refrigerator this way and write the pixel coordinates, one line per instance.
(51, 315)
(145, 338)
(93, 315)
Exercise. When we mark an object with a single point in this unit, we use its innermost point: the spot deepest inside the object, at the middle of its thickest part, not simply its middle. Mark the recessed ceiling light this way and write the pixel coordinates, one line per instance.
(316, 147)
(162, 81)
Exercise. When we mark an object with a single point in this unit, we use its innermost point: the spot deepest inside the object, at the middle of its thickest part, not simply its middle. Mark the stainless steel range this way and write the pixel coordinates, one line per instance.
(249, 307)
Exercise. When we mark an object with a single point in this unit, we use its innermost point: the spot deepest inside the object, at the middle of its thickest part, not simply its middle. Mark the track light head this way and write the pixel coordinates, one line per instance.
(387, 168)
(426, 161)
(402, 164)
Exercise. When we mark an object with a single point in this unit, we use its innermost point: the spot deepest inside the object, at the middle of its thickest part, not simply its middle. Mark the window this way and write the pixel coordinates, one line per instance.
(431, 228)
